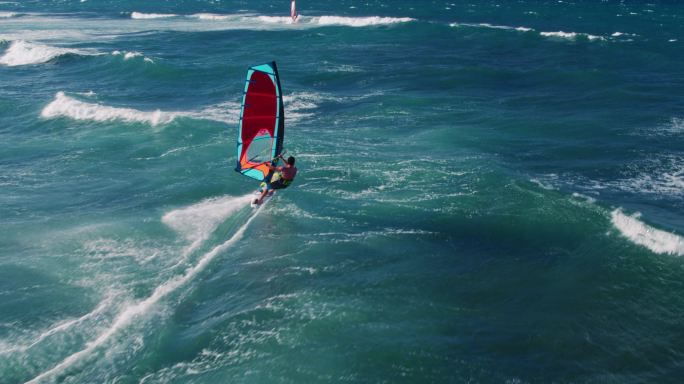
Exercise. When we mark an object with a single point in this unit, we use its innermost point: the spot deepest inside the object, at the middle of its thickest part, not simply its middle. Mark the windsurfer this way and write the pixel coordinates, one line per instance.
(293, 12)
(281, 177)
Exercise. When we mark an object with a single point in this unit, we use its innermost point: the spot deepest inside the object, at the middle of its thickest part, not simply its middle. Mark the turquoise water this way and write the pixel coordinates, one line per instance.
(489, 192)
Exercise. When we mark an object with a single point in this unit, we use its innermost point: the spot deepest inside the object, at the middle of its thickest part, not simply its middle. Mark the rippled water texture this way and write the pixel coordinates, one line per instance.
(488, 192)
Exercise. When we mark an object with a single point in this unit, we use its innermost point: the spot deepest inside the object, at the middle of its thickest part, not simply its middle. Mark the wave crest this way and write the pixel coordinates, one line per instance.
(66, 106)
(22, 52)
(212, 16)
(360, 21)
(571, 35)
(491, 26)
(127, 55)
(140, 15)
(654, 239)
(311, 21)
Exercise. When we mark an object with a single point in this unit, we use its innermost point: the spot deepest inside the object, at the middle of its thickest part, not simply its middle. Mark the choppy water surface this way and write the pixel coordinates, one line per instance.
(488, 192)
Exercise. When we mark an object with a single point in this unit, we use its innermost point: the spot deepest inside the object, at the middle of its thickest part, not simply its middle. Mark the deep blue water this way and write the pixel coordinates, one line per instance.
(489, 192)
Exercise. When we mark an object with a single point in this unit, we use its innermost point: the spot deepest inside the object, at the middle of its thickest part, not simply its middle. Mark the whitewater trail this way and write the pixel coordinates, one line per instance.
(61, 327)
(226, 206)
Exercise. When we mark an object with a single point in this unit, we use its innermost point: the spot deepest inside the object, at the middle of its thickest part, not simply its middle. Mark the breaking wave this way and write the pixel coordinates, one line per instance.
(212, 16)
(65, 106)
(355, 21)
(299, 105)
(552, 35)
(140, 15)
(571, 35)
(656, 240)
(22, 52)
(303, 20)
(127, 55)
(491, 26)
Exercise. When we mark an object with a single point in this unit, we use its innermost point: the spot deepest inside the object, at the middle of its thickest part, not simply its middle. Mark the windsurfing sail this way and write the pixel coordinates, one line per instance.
(293, 11)
(262, 122)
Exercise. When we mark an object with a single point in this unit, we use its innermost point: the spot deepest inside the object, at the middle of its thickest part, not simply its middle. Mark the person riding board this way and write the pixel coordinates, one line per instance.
(281, 177)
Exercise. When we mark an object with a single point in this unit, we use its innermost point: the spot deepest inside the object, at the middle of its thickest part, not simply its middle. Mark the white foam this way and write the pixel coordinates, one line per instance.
(102, 249)
(560, 34)
(65, 106)
(60, 327)
(273, 19)
(133, 311)
(7, 15)
(198, 221)
(300, 105)
(77, 29)
(355, 22)
(25, 53)
(672, 128)
(570, 35)
(226, 112)
(140, 15)
(587, 199)
(358, 21)
(127, 55)
(212, 16)
(656, 240)
(543, 185)
(332, 68)
(676, 125)
(662, 175)
(491, 26)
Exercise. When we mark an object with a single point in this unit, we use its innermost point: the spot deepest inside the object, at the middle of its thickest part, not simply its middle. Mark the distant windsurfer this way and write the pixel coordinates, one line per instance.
(281, 177)
(293, 11)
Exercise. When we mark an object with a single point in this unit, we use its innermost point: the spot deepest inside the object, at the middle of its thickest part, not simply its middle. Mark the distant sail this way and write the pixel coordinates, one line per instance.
(293, 11)
(262, 121)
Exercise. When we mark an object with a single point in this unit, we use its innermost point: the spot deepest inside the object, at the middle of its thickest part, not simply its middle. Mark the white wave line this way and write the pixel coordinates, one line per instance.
(58, 328)
(656, 240)
(126, 317)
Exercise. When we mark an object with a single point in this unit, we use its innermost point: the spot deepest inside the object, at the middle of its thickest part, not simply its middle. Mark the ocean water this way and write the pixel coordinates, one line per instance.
(489, 192)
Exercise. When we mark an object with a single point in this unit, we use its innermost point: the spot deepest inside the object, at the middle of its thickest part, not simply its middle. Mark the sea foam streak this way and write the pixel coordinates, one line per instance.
(66, 106)
(654, 239)
(310, 21)
(212, 16)
(558, 34)
(570, 35)
(492, 26)
(60, 327)
(133, 311)
(358, 21)
(25, 53)
(140, 15)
